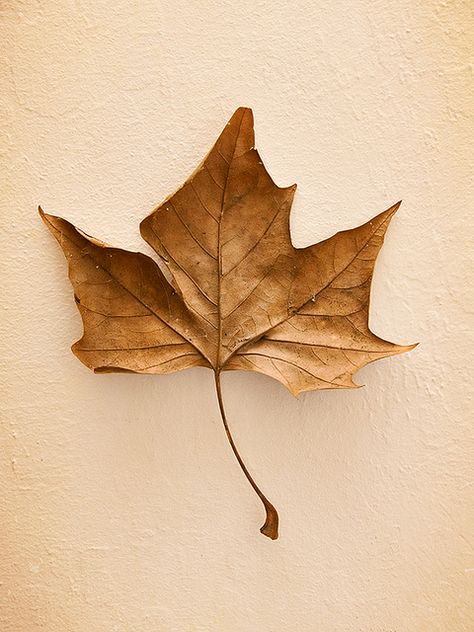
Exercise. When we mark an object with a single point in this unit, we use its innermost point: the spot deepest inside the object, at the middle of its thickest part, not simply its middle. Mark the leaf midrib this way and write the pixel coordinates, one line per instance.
(220, 365)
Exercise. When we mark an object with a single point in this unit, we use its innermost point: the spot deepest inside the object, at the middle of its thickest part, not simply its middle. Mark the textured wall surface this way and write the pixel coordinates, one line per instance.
(122, 508)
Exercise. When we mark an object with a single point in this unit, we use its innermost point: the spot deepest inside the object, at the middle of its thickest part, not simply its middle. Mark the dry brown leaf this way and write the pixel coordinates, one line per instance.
(242, 297)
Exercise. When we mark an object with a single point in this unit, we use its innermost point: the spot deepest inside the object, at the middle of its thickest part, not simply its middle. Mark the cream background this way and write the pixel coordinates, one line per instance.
(122, 507)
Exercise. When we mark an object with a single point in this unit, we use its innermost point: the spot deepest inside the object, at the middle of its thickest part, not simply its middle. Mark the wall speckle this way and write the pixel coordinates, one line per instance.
(122, 507)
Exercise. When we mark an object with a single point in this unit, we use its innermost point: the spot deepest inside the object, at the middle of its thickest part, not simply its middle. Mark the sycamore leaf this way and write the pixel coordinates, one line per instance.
(241, 296)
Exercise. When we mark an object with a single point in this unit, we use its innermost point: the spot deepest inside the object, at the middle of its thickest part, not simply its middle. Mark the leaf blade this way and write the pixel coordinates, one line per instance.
(327, 339)
(212, 212)
(129, 312)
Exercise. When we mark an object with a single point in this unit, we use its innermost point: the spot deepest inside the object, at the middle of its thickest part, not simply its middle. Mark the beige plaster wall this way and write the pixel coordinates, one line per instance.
(122, 509)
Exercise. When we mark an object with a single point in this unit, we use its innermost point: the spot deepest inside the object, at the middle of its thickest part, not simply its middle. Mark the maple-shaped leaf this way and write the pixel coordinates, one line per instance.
(241, 296)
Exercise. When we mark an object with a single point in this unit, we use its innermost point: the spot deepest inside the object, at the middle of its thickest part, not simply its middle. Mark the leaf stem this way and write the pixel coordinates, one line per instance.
(270, 527)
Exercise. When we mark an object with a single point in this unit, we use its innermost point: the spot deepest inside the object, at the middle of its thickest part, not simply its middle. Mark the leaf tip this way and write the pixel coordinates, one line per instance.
(393, 209)
(385, 217)
(390, 212)
(294, 390)
(404, 348)
(41, 213)
(47, 219)
(243, 116)
(243, 110)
